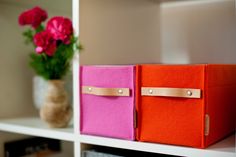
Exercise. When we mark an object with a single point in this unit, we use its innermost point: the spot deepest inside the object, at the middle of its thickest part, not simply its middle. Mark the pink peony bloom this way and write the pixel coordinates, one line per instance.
(45, 43)
(33, 17)
(60, 28)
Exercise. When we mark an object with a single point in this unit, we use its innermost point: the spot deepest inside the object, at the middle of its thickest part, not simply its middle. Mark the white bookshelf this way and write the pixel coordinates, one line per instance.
(225, 148)
(35, 127)
(131, 9)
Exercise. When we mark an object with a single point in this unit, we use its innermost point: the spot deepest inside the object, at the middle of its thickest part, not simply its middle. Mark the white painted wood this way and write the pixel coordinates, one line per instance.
(36, 127)
(75, 16)
(77, 148)
(76, 100)
(225, 148)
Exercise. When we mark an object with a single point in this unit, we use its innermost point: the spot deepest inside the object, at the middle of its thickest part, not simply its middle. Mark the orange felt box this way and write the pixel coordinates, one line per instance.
(189, 105)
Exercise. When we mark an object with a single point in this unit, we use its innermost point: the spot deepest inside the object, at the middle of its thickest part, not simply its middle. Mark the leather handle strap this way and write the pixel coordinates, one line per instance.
(105, 91)
(171, 92)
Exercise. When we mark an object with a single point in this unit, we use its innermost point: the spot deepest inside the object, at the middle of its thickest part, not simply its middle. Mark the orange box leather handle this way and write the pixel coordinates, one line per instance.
(171, 92)
(105, 91)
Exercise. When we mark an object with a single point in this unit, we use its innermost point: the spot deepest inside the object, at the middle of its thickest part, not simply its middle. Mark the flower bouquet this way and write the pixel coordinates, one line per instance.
(54, 46)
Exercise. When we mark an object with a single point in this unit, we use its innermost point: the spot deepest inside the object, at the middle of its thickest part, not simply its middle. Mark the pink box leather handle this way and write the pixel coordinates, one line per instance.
(105, 91)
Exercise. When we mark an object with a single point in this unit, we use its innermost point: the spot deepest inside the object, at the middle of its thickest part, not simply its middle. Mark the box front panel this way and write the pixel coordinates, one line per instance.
(171, 120)
(110, 116)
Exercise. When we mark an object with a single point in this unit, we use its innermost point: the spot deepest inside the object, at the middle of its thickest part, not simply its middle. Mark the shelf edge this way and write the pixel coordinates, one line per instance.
(54, 134)
(152, 148)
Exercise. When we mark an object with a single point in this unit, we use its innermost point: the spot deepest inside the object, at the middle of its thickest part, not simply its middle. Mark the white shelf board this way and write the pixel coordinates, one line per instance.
(224, 148)
(36, 127)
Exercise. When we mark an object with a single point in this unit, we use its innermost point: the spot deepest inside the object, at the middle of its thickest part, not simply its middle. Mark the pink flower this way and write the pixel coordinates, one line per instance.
(45, 43)
(60, 28)
(33, 17)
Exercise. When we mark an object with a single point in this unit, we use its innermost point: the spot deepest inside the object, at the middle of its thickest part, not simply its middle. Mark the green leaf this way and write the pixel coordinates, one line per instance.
(56, 66)
(40, 28)
(28, 34)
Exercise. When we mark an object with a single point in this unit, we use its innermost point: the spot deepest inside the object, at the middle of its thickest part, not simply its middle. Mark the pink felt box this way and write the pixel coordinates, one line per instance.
(107, 101)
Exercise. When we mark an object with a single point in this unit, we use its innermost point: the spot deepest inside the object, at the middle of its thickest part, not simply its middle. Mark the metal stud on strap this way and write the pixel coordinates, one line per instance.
(105, 91)
(171, 92)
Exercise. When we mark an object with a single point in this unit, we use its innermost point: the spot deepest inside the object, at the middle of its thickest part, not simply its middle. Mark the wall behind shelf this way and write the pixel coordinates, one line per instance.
(154, 31)
(119, 31)
(15, 80)
(198, 31)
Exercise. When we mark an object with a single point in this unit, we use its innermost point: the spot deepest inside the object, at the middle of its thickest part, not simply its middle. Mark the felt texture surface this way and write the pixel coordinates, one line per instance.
(110, 116)
(221, 101)
(181, 121)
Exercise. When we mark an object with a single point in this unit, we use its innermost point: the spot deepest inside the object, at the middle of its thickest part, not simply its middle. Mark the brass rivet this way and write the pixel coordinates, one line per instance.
(120, 91)
(90, 89)
(189, 93)
(150, 91)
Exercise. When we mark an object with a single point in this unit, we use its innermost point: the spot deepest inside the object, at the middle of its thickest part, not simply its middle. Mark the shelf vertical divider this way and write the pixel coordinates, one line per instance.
(76, 98)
